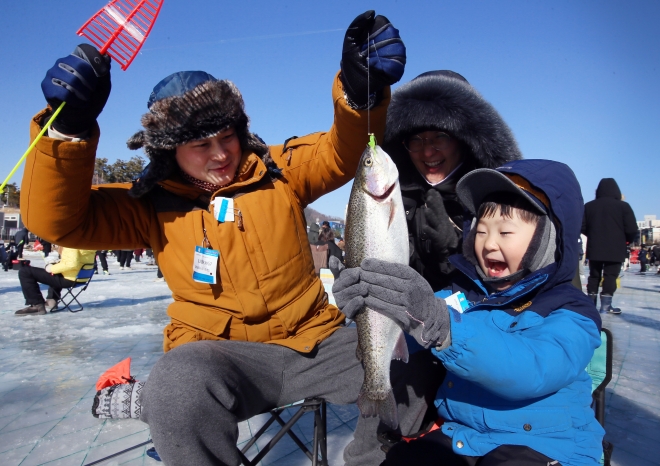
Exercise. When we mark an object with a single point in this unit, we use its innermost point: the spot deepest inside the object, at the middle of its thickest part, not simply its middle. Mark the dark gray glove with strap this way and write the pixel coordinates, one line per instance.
(82, 80)
(439, 228)
(398, 292)
(373, 56)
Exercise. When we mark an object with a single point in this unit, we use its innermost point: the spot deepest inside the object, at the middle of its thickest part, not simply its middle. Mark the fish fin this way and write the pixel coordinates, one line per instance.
(392, 214)
(401, 349)
(384, 409)
(358, 352)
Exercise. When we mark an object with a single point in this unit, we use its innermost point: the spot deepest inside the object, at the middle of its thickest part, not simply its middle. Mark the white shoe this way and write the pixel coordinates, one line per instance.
(161, 279)
(105, 272)
(50, 304)
(121, 268)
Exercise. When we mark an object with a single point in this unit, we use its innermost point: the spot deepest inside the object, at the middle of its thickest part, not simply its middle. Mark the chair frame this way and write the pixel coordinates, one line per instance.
(599, 393)
(64, 303)
(319, 444)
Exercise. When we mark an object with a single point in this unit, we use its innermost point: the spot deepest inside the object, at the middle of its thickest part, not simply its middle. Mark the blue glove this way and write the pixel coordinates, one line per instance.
(363, 78)
(82, 80)
(397, 291)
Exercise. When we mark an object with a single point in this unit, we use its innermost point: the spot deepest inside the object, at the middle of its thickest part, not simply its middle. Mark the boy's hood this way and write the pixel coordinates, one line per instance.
(562, 189)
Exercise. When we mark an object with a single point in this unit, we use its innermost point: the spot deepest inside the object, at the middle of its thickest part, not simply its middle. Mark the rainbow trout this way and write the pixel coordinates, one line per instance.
(376, 227)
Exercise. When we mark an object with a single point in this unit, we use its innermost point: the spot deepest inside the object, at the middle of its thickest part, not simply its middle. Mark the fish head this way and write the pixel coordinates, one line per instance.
(377, 174)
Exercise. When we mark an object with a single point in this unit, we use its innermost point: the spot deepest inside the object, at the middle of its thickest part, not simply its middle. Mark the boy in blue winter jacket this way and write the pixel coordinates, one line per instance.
(516, 389)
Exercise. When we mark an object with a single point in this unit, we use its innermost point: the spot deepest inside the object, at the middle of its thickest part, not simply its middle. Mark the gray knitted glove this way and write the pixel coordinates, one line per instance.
(349, 292)
(398, 292)
(335, 266)
(119, 401)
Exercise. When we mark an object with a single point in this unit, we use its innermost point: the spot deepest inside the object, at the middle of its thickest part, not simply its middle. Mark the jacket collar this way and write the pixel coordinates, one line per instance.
(522, 288)
(251, 169)
(411, 180)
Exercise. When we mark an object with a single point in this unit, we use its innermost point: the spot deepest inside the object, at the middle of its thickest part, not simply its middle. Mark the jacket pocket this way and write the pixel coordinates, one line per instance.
(409, 205)
(532, 421)
(200, 318)
(509, 323)
(272, 233)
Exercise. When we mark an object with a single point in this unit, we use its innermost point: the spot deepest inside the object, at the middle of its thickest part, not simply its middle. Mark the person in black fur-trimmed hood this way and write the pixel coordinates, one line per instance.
(438, 129)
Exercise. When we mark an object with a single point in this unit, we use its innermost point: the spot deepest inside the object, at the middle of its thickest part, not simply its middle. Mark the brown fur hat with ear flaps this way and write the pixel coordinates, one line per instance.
(181, 110)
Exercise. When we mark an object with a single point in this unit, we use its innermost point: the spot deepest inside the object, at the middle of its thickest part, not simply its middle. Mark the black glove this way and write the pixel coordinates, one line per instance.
(364, 79)
(82, 80)
(439, 229)
(398, 292)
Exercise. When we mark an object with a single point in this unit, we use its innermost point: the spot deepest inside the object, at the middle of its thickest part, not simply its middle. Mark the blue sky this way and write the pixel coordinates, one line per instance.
(577, 81)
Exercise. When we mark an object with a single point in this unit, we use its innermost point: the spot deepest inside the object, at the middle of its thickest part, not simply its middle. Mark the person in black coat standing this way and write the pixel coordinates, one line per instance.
(608, 223)
(22, 238)
(438, 129)
(656, 253)
(643, 257)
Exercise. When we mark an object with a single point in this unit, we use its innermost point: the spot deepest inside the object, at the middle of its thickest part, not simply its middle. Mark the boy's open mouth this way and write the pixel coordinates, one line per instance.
(495, 268)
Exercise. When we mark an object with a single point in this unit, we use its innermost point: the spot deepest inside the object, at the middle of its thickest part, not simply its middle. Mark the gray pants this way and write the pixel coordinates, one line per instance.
(197, 393)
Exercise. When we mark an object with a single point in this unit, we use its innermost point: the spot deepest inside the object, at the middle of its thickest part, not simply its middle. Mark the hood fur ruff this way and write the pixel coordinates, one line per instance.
(200, 113)
(444, 100)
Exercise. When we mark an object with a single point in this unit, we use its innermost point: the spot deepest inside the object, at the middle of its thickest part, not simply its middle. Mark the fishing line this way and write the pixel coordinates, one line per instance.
(368, 90)
(372, 138)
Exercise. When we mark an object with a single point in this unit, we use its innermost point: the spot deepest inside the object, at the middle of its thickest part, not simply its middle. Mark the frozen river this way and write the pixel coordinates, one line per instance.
(49, 366)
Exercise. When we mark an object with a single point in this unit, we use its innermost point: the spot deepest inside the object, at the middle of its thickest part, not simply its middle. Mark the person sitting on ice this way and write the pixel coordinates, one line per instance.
(516, 390)
(251, 327)
(10, 254)
(57, 276)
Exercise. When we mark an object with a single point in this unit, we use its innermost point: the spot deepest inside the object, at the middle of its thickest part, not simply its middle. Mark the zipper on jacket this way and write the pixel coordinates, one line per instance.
(534, 286)
(239, 223)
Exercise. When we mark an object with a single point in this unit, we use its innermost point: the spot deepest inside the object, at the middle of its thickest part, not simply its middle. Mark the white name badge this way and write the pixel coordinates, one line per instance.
(223, 209)
(205, 266)
(458, 301)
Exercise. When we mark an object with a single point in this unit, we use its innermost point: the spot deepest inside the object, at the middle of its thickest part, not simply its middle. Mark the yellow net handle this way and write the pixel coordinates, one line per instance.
(29, 149)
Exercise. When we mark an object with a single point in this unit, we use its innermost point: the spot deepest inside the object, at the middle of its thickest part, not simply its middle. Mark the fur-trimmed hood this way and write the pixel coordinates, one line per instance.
(445, 101)
(188, 106)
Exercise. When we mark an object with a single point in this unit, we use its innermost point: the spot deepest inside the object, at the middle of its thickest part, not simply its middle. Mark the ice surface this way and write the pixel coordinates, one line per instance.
(49, 366)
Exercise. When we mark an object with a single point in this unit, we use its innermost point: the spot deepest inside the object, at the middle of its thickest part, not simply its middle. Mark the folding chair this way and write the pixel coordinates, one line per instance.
(318, 455)
(82, 280)
(600, 371)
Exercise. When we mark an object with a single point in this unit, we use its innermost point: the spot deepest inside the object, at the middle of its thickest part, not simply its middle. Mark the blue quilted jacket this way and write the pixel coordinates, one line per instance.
(517, 359)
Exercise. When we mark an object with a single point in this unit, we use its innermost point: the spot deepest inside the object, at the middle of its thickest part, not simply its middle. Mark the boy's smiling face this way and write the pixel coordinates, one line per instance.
(500, 244)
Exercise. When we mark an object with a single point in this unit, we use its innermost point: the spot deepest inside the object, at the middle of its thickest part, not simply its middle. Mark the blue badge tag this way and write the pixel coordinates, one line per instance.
(223, 209)
(205, 265)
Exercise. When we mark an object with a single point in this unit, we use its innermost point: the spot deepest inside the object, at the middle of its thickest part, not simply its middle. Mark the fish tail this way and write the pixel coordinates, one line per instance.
(384, 409)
